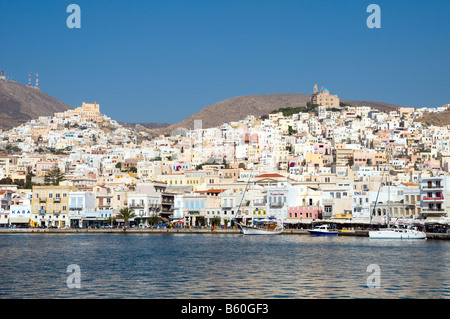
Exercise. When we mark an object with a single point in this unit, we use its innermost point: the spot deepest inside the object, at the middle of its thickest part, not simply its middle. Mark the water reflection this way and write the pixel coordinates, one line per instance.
(220, 266)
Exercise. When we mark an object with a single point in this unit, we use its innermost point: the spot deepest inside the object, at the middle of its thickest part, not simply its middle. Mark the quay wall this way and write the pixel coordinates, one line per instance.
(358, 233)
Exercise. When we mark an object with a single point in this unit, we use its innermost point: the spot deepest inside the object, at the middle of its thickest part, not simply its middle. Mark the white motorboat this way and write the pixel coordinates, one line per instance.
(397, 233)
(323, 230)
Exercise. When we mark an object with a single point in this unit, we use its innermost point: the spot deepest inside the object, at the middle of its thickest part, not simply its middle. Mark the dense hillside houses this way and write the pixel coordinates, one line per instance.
(79, 168)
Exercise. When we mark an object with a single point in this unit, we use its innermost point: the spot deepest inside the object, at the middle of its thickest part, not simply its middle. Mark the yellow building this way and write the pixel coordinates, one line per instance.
(50, 206)
(176, 179)
(194, 178)
(312, 159)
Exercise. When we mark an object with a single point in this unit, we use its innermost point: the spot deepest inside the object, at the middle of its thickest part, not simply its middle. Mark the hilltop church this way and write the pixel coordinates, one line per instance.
(324, 98)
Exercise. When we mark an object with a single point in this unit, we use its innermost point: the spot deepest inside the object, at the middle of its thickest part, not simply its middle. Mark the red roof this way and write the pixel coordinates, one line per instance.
(212, 191)
(270, 175)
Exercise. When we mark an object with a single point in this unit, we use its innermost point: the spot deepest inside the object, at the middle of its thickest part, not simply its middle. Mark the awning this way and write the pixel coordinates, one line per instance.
(297, 221)
(19, 220)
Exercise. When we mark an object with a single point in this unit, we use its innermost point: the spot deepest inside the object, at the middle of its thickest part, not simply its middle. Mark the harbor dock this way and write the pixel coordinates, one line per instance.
(357, 233)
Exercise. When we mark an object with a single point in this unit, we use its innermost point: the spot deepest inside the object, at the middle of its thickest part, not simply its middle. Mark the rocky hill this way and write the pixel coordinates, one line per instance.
(437, 119)
(20, 103)
(238, 108)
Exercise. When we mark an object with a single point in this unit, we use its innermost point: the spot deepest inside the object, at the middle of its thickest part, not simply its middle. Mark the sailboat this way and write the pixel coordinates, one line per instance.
(262, 227)
(270, 226)
(394, 232)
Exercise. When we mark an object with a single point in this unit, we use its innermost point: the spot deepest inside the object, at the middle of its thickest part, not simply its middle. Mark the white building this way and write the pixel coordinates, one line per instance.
(80, 203)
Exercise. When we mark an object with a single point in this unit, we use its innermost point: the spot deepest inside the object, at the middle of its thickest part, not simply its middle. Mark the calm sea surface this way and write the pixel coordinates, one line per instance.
(220, 266)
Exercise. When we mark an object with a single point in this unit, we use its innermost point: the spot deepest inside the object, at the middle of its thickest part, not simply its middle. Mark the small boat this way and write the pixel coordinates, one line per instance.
(322, 230)
(263, 227)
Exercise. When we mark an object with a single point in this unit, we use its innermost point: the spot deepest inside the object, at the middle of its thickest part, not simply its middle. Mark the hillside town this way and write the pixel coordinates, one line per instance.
(323, 162)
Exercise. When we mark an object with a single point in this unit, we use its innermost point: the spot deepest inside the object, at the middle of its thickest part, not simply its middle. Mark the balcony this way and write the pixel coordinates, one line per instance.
(42, 211)
(433, 187)
(433, 210)
(137, 205)
(438, 199)
(259, 204)
(167, 209)
(276, 205)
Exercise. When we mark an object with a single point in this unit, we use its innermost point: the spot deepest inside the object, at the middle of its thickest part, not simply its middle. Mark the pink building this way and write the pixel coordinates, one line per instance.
(305, 212)
(361, 158)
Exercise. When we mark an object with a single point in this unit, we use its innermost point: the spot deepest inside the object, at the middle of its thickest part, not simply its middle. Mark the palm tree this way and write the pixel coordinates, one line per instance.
(215, 221)
(199, 220)
(126, 214)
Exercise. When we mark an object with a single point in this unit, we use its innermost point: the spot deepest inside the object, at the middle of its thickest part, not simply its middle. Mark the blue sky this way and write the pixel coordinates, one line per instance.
(161, 61)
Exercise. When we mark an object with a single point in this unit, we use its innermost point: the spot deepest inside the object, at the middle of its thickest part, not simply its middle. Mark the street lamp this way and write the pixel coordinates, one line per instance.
(141, 213)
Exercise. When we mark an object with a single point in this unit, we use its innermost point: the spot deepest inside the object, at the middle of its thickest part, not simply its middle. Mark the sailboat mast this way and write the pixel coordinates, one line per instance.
(243, 195)
(389, 188)
(252, 199)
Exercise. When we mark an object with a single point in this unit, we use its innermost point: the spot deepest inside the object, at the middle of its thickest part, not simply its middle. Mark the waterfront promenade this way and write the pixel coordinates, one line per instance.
(231, 231)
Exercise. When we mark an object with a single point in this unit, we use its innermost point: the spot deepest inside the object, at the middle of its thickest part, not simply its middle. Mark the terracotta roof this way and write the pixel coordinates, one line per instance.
(213, 191)
(409, 184)
(270, 175)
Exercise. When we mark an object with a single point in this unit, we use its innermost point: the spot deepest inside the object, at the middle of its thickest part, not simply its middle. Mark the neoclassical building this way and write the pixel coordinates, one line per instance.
(324, 98)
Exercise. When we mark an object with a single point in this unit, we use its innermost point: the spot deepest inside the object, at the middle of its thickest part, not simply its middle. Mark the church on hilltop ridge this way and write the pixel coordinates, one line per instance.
(324, 98)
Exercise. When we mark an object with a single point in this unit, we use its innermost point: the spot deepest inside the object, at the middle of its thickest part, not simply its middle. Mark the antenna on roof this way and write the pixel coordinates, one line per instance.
(37, 80)
(29, 78)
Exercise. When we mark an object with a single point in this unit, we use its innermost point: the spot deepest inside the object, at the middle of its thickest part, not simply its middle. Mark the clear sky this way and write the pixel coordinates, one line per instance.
(163, 60)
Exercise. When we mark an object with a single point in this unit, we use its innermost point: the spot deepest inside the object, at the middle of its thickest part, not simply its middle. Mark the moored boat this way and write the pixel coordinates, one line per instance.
(394, 232)
(263, 227)
(323, 230)
(397, 233)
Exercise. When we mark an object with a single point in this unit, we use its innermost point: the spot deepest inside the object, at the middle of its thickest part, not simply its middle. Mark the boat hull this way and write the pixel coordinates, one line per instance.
(323, 233)
(258, 231)
(392, 234)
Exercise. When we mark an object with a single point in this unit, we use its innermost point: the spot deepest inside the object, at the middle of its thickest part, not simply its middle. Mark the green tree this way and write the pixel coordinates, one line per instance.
(125, 214)
(153, 220)
(53, 177)
(28, 179)
(133, 169)
(291, 130)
